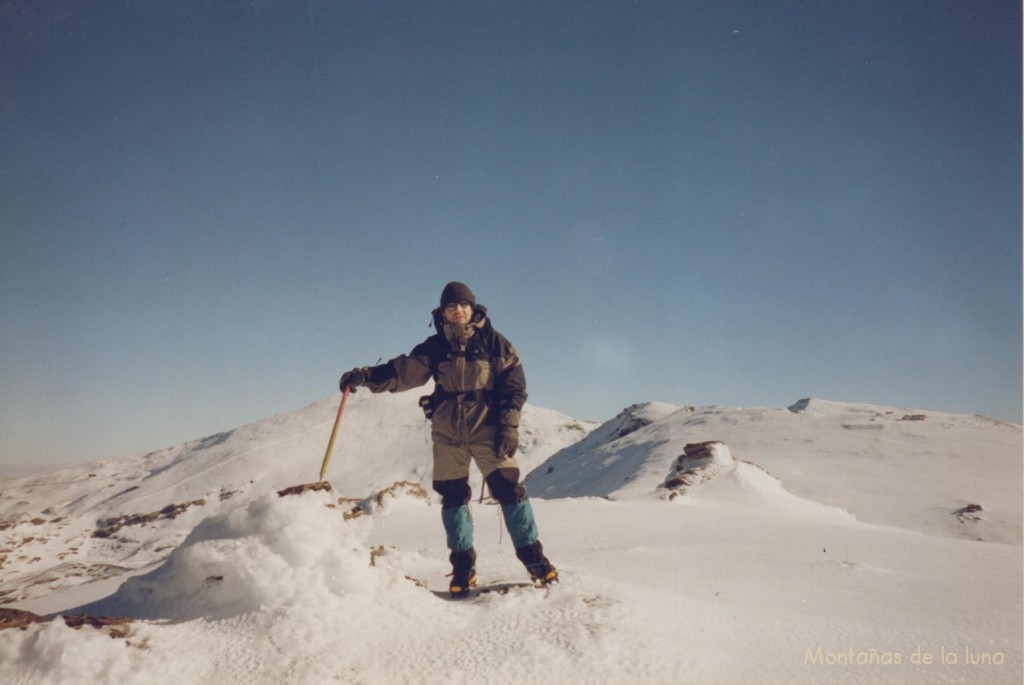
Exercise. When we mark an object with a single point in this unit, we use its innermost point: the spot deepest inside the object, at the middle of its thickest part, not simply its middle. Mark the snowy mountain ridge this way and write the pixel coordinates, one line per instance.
(902, 467)
(160, 496)
(871, 526)
(382, 439)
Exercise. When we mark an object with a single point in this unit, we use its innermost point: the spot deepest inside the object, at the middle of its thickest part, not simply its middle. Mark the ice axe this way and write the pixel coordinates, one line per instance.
(321, 484)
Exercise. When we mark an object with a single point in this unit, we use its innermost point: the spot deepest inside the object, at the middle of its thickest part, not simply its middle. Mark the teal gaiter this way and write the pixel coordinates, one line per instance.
(519, 521)
(458, 526)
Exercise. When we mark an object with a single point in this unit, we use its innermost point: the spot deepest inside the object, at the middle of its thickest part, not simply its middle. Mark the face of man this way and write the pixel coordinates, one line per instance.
(458, 312)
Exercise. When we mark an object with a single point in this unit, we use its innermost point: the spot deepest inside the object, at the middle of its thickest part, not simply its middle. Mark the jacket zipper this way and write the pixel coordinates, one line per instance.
(461, 361)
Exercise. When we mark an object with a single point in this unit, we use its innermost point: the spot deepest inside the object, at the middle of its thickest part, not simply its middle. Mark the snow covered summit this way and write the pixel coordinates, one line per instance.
(903, 467)
(685, 538)
(91, 522)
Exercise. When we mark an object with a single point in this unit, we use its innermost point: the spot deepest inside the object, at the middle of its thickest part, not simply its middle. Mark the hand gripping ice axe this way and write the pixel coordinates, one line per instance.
(321, 484)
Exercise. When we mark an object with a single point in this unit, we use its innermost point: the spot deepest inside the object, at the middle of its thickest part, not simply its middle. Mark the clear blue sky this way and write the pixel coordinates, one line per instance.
(209, 210)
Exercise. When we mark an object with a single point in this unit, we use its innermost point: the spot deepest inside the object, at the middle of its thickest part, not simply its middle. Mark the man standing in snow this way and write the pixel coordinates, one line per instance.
(479, 392)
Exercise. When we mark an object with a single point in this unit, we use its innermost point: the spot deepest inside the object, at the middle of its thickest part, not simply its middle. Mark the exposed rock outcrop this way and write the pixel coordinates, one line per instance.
(354, 507)
(629, 420)
(699, 463)
(107, 527)
(16, 618)
(305, 487)
(969, 513)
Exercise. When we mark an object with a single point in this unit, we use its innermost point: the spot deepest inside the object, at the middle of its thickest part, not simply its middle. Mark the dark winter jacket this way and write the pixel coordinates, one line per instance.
(479, 379)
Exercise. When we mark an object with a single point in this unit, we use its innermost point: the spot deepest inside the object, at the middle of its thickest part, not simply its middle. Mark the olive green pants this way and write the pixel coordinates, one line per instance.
(451, 462)
(451, 481)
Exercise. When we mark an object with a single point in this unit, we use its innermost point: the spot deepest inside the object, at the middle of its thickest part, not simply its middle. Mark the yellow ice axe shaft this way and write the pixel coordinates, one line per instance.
(334, 434)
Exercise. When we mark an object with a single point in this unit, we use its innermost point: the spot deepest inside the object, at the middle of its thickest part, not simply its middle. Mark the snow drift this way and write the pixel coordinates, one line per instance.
(272, 552)
(903, 467)
(867, 532)
(93, 522)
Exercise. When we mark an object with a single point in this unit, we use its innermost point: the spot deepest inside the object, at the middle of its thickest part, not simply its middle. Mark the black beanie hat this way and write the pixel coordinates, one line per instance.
(457, 292)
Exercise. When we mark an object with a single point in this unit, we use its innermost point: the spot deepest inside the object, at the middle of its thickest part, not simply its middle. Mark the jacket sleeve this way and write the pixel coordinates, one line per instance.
(404, 372)
(510, 384)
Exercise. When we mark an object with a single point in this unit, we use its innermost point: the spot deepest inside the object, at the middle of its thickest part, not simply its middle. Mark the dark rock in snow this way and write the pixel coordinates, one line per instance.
(699, 463)
(16, 618)
(107, 527)
(968, 513)
(305, 487)
(800, 406)
(628, 421)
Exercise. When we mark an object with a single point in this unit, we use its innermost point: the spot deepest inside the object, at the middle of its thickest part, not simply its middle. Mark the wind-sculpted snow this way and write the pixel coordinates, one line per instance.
(383, 439)
(618, 452)
(291, 573)
(901, 467)
(294, 553)
(284, 591)
(829, 544)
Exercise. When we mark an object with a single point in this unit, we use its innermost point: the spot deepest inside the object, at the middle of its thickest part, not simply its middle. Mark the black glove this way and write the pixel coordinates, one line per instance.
(506, 442)
(353, 379)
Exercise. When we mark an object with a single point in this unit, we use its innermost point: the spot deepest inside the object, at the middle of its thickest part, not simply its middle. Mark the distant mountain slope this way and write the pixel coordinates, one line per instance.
(382, 439)
(956, 476)
(628, 455)
(93, 521)
(921, 470)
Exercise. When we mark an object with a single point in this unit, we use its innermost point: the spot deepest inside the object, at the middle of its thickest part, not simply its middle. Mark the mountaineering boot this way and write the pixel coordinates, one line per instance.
(461, 583)
(543, 573)
(537, 565)
(463, 572)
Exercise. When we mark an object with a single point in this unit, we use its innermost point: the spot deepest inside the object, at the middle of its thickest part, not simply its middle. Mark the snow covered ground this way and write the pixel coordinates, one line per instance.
(825, 542)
